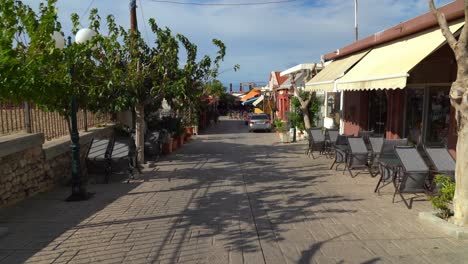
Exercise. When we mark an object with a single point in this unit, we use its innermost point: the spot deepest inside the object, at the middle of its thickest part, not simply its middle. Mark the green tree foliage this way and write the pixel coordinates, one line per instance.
(109, 73)
(313, 107)
(27, 54)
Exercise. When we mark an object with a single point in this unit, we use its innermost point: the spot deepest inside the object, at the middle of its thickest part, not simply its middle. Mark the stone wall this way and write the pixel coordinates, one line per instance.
(28, 166)
(22, 174)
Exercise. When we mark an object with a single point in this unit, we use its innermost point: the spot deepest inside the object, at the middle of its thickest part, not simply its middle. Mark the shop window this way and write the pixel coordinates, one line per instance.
(377, 111)
(414, 115)
(438, 118)
(333, 107)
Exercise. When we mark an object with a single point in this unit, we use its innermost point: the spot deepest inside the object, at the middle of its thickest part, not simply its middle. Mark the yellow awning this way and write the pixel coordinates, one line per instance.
(388, 66)
(324, 80)
(258, 111)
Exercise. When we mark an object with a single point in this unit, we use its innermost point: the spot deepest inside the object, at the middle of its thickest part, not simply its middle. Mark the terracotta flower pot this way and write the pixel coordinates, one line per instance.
(175, 143)
(167, 147)
(180, 140)
(189, 130)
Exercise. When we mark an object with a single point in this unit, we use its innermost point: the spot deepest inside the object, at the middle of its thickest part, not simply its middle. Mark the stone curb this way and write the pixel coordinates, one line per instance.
(444, 226)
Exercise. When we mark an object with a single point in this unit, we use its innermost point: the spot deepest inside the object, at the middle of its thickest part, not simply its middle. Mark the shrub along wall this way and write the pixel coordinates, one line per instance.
(28, 166)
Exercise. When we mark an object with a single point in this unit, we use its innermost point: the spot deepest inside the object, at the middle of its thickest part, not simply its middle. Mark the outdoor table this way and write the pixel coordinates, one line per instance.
(389, 167)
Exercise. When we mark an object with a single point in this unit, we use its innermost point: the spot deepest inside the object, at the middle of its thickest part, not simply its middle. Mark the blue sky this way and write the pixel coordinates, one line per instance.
(259, 38)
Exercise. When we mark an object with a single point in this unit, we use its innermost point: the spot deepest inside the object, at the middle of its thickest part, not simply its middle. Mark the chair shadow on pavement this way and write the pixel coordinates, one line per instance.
(239, 198)
(244, 208)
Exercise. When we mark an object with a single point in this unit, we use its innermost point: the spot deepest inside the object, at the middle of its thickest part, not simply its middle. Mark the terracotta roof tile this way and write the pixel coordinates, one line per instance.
(281, 79)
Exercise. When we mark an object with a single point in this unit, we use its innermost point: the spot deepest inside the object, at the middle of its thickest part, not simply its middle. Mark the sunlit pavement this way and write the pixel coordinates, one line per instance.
(229, 196)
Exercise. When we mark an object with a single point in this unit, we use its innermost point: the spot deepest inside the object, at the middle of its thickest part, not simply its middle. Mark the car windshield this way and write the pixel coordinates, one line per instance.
(259, 117)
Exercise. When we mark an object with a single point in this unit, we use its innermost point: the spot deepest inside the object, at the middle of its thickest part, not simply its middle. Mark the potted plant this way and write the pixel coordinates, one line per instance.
(194, 125)
(179, 132)
(167, 143)
(442, 199)
(301, 129)
(282, 130)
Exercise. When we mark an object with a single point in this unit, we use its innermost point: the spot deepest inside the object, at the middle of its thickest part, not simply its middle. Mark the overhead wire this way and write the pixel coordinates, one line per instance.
(144, 20)
(86, 11)
(223, 4)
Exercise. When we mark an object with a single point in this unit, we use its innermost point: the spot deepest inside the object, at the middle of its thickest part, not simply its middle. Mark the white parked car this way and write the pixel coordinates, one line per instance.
(259, 122)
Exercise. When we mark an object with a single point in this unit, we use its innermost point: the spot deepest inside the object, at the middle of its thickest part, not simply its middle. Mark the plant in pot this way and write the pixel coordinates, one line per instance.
(282, 130)
(169, 124)
(194, 124)
(188, 129)
(166, 142)
(301, 128)
(179, 132)
(443, 197)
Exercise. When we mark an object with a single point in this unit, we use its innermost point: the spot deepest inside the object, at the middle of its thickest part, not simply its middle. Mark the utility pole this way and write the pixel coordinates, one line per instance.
(139, 110)
(355, 20)
(133, 32)
(133, 17)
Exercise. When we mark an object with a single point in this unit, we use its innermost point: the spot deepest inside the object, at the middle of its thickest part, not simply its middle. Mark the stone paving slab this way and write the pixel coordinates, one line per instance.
(228, 197)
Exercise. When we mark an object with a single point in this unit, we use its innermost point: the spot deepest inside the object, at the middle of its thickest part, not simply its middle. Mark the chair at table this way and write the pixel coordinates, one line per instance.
(389, 145)
(365, 134)
(340, 149)
(358, 155)
(441, 160)
(331, 136)
(316, 142)
(387, 152)
(375, 144)
(412, 174)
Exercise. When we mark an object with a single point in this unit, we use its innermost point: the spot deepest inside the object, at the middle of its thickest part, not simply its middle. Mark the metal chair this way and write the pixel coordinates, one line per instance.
(387, 151)
(441, 160)
(340, 150)
(331, 136)
(375, 144)
(365, 134)
(98, 154)
(412, 175)
(389, 145)
(153, 144)
(358, 155)
(316, 142)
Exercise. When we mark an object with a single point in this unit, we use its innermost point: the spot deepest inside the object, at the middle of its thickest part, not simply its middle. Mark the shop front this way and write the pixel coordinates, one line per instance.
(324, 82)
(404, 96)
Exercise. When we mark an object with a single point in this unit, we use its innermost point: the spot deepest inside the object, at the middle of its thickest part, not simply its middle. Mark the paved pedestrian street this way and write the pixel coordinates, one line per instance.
(228, 196)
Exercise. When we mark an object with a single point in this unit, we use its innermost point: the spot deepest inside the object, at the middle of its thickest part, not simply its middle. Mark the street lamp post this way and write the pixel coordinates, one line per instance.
(79, 192)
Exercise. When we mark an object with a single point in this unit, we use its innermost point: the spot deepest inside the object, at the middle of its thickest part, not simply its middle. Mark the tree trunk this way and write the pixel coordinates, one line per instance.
(460, 201)
(140, 132)
(305, 113)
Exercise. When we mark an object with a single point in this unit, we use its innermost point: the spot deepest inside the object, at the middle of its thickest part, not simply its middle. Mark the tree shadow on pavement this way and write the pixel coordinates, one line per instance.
(230, 193)
(247, 200)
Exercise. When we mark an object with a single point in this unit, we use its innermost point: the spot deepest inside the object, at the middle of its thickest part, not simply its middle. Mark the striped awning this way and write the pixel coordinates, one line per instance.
(249, 101)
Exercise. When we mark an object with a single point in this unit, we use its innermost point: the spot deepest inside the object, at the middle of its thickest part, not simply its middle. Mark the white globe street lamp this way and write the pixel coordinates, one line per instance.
(84, 35)
(79, 192)
(59, 40)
